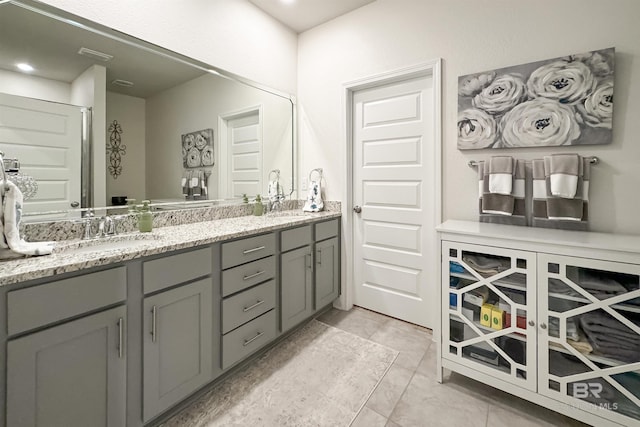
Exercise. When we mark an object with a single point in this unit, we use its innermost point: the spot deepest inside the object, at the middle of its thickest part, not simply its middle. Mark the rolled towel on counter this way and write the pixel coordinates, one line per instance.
(563, 171)
(501, 171)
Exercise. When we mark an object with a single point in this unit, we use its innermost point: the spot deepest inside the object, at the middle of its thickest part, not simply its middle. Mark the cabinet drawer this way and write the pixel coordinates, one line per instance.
(238, 344)
(244, 276)
(37, 306)
(171, 270)
(295, 238)
(249, 249)
(247, 305)
(326, 230)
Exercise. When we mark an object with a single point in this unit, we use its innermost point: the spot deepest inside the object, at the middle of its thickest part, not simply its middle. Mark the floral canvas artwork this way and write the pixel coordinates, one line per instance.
(197, 149)
(557, 102)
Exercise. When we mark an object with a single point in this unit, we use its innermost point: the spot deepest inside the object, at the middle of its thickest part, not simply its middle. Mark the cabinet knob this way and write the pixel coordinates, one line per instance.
(543, 325)
(532, 323)
(357, 209)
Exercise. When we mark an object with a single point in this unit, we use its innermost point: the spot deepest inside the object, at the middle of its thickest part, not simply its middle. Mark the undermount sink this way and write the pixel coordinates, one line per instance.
(103, 244)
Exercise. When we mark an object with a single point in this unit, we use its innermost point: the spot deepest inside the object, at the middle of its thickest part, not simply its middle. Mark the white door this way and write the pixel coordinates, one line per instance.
(46, 138)
(395, 270)
(244, 155)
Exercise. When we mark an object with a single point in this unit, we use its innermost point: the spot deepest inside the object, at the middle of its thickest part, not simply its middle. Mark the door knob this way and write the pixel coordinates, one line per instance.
(74, 204)
(357, 209)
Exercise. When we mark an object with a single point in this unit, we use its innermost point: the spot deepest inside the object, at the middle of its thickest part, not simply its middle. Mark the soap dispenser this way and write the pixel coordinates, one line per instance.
(145, 219)
(258, 208)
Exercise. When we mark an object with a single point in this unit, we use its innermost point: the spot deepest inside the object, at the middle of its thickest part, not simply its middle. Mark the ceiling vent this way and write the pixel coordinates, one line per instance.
(94, 54)
(123, 83)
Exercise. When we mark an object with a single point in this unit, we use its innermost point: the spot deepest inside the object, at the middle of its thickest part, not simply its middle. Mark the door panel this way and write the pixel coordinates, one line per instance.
(46, 138)
(245, 155)
(296, 287)
(394, 183)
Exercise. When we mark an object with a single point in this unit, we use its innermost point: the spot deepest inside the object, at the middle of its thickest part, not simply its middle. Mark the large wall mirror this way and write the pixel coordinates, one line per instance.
(103, 115)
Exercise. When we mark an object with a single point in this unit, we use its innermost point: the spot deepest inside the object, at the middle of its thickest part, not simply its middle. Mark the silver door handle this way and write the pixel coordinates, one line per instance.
(319, 257)
(307, 261)
(120, 338)
(74, 204)
(153, 323)
(357, 209)
(247, 342)
(251, 307)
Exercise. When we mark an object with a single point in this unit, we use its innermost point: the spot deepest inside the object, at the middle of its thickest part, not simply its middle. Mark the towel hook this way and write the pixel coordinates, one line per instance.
(318, 171)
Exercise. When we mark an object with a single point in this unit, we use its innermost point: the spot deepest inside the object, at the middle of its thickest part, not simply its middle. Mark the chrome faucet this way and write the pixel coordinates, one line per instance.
(88, 220)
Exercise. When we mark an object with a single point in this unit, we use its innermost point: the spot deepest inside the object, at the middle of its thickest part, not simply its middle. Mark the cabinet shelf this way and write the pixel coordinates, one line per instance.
(453, 315)
(553, 346)
(625, 307)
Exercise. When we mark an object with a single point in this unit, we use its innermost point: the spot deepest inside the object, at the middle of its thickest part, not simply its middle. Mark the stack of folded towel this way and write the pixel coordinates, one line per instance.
(610, 337)
(502, 191)
(561, 191)
(11, 245)
(486, 266)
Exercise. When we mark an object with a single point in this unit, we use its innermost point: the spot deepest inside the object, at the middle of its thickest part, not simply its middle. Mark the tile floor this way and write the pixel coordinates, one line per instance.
(410, 396)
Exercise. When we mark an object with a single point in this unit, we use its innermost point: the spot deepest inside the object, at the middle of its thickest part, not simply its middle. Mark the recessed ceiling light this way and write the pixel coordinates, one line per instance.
(94, 54)
(25, 67)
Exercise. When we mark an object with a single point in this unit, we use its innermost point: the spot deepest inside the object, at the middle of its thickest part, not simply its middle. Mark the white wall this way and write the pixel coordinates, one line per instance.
(129, 111)
(21, 84)
(231, 34)
(473, 36)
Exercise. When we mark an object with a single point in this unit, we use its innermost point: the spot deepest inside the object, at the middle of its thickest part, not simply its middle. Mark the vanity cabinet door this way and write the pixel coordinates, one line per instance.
(73, 374)
(177, 345)
(327, 272)
(296, 287)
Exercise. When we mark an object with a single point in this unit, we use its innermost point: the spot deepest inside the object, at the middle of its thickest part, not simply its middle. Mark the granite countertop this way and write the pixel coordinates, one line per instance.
(77, 255)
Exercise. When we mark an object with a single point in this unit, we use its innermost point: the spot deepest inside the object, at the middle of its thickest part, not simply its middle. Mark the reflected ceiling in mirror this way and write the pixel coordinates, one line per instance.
(162, 126)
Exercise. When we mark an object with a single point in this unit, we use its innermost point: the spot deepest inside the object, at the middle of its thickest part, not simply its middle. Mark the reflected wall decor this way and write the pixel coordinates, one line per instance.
(197, 149)
(556, 102)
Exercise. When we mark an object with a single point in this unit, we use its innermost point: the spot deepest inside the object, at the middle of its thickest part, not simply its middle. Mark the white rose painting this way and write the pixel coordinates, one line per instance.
(561, 101)
(197, 149)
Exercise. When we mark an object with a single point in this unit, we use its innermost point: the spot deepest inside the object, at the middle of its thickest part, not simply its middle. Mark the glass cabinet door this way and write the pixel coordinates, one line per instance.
(589, 335)
(489, 325)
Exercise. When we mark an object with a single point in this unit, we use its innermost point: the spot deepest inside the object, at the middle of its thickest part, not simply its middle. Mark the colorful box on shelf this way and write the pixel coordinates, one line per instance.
(521, 321)
(497, 318)
(485, 315)
(453, 300)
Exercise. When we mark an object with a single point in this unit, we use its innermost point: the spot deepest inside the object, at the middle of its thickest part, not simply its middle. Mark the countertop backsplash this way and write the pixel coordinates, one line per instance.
(74, 229)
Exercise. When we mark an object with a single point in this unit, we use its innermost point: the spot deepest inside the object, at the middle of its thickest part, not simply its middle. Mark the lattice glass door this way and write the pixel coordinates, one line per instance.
(589, 324)
(490, 321)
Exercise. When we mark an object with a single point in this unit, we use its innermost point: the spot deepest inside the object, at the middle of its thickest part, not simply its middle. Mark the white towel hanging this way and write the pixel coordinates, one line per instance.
(314, 201)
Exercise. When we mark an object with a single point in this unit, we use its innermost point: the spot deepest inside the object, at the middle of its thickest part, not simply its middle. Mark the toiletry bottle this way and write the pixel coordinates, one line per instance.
(145, 219)
(258, 208)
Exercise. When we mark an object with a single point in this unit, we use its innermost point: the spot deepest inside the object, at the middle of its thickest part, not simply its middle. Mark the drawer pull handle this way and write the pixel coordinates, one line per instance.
(248, 251)
(251, 307)
(153, 323)
(319, 257)
(307, 261)
(251, 276)
(247, 342)
(120, 338)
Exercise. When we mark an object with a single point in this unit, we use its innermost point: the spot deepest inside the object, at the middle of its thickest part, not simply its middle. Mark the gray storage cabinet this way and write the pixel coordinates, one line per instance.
(73, 374)
(296, 287)
(327, 272)
(66, 361)
(177, 345)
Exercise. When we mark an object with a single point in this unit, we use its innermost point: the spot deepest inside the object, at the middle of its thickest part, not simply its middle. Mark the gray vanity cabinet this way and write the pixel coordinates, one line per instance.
(177, 345)
(327, 272)
(66, 355)
(73, 374)
(296, 277)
